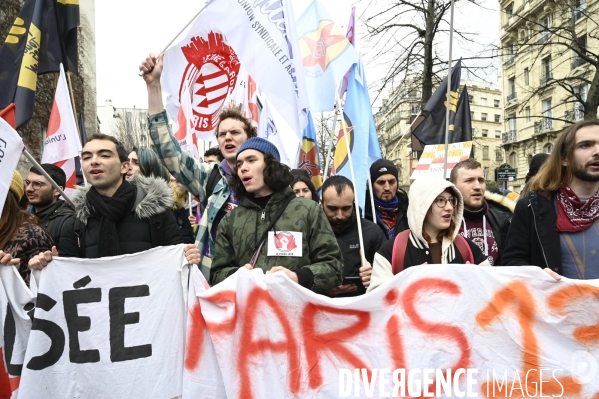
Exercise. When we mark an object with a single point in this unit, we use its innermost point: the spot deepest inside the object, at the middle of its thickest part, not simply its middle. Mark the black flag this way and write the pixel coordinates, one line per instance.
(461, 129)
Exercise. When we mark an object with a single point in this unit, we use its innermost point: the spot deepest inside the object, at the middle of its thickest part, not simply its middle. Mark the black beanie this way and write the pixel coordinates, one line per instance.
(535, 164)
(382, 167)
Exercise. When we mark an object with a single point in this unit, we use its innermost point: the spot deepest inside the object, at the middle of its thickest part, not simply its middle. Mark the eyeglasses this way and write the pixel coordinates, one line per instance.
(442, 202)
(35, 184)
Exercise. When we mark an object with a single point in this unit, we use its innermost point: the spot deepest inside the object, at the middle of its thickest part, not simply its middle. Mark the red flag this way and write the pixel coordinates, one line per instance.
(9, 115)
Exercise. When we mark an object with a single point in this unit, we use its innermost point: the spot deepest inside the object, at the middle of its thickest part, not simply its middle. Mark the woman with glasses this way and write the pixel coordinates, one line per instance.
(434, 217)
(20, 235)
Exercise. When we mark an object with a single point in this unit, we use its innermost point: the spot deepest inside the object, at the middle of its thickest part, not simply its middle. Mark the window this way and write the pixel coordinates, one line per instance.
(485, 132)
(578, 60)
(527, 114)
(496, 103)
(526, 76)
(415, 109)
(509, 13)
(512, 122)
(485, 152)
(544, 33)
(513, 160)
(546, 70)
(483, 116)
(547, 114)
(497, 118)
(483, 101)
(472, 115)
(510, 53)
(470, 98)
(486, 170)
(548, 148)
(579, 9)
(582, 91)
(498, 155)
(511, 83)
(497, 134)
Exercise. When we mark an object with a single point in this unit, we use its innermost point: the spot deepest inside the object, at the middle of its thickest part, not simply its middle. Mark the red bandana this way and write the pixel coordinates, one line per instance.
(574, 215)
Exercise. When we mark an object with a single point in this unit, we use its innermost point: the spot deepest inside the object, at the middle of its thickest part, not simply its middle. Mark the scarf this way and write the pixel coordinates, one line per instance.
(574, 215)
(386, 214)
(110, 211)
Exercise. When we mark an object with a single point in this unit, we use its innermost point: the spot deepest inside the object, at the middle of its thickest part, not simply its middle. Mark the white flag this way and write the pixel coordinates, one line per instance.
(11, 147)
(275, 129)
(62, 138)
(259, 35)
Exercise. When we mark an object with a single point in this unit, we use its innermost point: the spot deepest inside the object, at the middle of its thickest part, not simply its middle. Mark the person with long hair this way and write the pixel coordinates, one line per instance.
(434, 217)
(21, 237)
(556, 226)
(272, 229)
(302, 186)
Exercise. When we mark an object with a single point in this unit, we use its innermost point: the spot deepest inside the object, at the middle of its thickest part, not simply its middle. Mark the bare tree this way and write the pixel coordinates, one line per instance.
(404, 33)
(131, 129)
(557, 41)
(324, 126)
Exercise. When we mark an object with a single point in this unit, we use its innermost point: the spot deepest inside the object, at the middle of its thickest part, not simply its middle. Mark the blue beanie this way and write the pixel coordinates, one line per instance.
(262, 145)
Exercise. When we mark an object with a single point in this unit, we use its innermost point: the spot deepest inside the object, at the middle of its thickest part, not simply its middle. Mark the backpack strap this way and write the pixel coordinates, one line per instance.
(80, 233)
(400, 245)
(462, 246)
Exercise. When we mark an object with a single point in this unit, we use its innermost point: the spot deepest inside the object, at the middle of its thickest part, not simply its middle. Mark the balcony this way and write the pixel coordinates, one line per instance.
(544, 125)
(546, 78)
(578, 61)
(509, 137)
(509, 61)
(512, 96)
(574, 115)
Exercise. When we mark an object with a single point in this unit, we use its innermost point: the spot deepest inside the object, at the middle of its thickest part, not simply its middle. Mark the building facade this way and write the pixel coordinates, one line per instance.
(541, 74)
(394, 118)
(129, 125)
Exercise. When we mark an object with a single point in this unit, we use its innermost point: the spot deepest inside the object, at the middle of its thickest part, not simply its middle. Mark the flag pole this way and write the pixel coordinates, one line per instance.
(448, 98)
(47, 176)
(353, 178)
(372, 199)
(70, 85)
(330, 146)
(181, 31)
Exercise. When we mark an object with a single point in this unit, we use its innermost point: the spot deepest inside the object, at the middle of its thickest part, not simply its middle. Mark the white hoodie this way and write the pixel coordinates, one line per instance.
(423, 193)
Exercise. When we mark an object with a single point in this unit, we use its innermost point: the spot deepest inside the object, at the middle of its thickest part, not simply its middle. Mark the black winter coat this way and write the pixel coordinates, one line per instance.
(152, 205)
(402, 218)
(349, 243)
(532, 239)
(53, 217)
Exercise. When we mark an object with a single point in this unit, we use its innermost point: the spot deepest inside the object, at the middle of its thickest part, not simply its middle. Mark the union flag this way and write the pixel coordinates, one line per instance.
(309, 159)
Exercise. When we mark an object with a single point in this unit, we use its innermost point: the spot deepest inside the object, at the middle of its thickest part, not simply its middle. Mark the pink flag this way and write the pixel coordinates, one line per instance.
(350, 36)
(62, 142)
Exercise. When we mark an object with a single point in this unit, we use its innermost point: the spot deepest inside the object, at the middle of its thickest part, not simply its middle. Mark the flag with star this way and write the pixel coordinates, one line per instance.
(309, 159)
(326, 55)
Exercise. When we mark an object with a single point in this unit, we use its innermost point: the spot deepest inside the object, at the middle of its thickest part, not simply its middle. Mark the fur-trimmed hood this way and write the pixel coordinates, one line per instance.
(153, 196)
(501, 200)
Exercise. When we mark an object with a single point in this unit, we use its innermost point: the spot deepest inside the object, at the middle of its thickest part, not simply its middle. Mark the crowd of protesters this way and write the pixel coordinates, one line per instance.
(250, 211)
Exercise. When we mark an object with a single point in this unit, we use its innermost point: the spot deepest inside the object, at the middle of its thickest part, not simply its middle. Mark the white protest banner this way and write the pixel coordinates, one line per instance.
(275, 129)
(16, 301)
(108, 328)
(433, 156)
(62, 137)
(11, 147)
(501, 332)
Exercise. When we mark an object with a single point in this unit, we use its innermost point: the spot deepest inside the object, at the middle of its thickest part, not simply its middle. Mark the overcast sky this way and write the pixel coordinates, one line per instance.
(126, 31)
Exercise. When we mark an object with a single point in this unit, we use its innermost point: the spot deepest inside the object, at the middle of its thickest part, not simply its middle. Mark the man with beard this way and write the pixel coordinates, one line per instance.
(44, 201)
(391, 202)
(484, 224)
(338, 205)
(556, 226)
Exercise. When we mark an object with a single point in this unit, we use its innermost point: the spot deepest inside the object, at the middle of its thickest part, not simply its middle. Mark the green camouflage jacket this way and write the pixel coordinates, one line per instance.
(240, 231)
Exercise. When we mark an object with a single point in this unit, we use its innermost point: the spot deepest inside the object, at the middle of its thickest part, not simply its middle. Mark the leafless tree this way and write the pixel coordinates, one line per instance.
(131, 129)
(557, 41)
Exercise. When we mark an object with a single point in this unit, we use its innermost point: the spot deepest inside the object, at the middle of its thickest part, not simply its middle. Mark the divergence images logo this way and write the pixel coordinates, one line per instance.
(284, 241)
(211, 73)
(584, 367)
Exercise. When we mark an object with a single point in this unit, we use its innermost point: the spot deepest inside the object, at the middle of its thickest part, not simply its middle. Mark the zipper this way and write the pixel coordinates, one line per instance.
(537, 230)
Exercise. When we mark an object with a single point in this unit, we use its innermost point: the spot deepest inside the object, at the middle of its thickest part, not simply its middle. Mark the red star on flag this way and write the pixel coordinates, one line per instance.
(319, 43)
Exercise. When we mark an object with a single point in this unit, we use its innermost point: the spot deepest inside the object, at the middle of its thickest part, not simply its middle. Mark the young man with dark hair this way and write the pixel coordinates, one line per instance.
(483, 222)
(391, 202)
(44, 201)
(207, 182)
(556, 226)
(213, 155)
(272, 229)
(114, 216)
(338, 205)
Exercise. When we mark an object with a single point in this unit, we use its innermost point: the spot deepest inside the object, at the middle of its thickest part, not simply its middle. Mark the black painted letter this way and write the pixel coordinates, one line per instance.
(76, 323)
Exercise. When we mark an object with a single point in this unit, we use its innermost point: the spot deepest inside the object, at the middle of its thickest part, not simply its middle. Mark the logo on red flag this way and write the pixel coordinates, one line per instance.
(211, 72)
